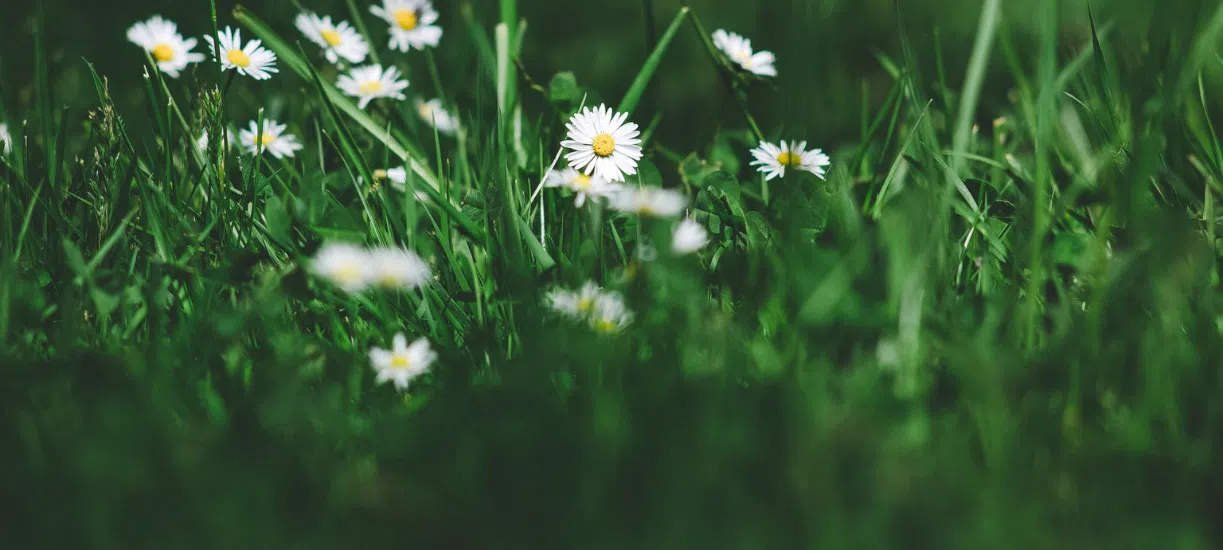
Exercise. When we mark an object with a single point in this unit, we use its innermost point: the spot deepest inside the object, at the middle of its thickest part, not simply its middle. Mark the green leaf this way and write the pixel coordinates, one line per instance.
(564, 88)
(647, 174)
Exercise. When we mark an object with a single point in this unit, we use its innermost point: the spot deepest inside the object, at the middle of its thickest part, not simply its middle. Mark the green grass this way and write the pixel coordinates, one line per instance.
(996, 324)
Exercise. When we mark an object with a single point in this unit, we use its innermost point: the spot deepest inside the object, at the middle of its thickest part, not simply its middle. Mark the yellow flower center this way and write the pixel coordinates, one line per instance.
(743, 58)
(380, 174)
(400, 362)
(388, 280)
(604, 145)
(348, 273)
(787, 158)
(372, 87)
(606, 325)
(163, 52)
(267, 139)
(406, 19)
(582, 181)
(584, 305)
(331, 37)
(239, 58)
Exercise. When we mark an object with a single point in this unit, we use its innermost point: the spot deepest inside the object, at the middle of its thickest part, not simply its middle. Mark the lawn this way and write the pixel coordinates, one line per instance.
(496, 274)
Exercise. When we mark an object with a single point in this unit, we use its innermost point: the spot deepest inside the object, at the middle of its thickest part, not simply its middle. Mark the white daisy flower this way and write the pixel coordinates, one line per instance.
(344, 265)
(436, 116)
(339, 40)
(274, 139)
(412, 23)
(6, 140)
(603, 144)
(403, 362)
(581, 185)
(398, 269)
(690, 236)
(399, 180)
(774, 159)
(650, 201)
(372, 82)
(739, 50)
(610, 314)
(251, 60)
(160, 38)
(574, 304)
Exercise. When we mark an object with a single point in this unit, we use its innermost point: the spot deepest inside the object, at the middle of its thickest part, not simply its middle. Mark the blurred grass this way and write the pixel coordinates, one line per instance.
(1007, 340)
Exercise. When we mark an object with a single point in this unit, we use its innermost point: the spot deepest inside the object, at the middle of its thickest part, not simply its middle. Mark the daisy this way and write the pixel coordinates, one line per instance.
(403, 362)
(412, 23)
(739, 50)
(581, 185)
(398, 269)
(689, 237)
(774, 159)
(609, 314)
(274, 140)
(650, 201)
(603, 144)
(436, 116)
(160, 39)
(338, 41)
(371, 82)
(251, 60)
(344, 265)
(6, 140)
(574, 304)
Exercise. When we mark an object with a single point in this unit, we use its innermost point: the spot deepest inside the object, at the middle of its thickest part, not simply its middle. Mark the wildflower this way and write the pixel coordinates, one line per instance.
(774, 159)
(739, 50)
(574, 305)
(6, 139)
(603, 144)
(403, 362)
(690, 236)
(609, 314)
(251, 60)
(344, 265)
(274, 140)
(397, 269)
(436, 116)
(581, 185)
(339, 40)
(650, 201)
(412, 23)
(161, 40)
(372, 82)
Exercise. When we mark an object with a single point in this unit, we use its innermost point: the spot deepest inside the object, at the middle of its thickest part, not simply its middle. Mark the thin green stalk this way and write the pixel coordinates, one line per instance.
(633, 96)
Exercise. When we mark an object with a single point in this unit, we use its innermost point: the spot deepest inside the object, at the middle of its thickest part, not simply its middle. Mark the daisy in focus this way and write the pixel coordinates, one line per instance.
(650, 201)
(403, 362)
(582, 185)
(572, 304)
(411, 23)
(161, 40)
(344, 265)
(398, 269)
(433, 113)
(774, 159)
(739, 50)
(6, 140)
(690, 236)
(273, 140)
(372, 82)
(603, 144)
(339, 40)
(609, 314)
(251, 60)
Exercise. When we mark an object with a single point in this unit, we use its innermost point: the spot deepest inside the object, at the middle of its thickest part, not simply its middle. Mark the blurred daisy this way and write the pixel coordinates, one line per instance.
(609, 314)
(581, 185)
(602, 143)
(399, 180)
(739, 50)
(161, 40)
(6, 140)
(690, 236)
(436, 116)
(398, 269)
(774, 159)
(412, 23)
(574, 304)
(274, 139)
(338, 40)
(344, 265)
(251, 60)
(372, 82)
(650, 201)
(403, 362)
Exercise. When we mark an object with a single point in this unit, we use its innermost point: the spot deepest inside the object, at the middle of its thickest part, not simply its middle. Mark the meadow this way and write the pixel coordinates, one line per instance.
(938, 274)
